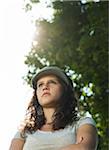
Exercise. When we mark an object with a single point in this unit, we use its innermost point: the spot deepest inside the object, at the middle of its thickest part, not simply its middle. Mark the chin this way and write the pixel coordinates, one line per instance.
(48, 105)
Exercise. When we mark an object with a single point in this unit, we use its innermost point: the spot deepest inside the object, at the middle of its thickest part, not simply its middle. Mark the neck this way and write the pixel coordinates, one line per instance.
(48, 112)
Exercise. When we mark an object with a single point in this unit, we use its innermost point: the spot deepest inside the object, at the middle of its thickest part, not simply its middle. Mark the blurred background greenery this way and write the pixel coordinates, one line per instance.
(76, 39)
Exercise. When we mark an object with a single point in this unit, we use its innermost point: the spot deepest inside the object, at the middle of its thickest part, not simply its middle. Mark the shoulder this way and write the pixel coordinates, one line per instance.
(20, 136)
(84, 121)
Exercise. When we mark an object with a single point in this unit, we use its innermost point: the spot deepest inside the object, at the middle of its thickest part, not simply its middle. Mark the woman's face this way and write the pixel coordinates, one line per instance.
(49, 91)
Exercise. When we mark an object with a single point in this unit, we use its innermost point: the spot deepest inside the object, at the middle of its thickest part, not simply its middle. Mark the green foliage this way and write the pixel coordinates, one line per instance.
(28, 6)
(34, 1)
(77, 41)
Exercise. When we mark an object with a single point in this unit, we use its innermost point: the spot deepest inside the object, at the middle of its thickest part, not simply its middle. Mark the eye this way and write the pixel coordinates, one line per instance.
(52, 82)
(39, 85)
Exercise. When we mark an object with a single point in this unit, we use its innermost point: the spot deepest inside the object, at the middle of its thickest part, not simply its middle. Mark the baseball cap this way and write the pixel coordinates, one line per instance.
(53, 70)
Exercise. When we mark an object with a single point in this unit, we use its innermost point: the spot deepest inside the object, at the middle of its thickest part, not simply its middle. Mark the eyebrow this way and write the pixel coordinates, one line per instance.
(48, 80)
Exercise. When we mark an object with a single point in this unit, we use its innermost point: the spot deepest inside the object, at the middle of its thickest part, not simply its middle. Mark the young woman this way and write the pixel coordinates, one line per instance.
(52, 121)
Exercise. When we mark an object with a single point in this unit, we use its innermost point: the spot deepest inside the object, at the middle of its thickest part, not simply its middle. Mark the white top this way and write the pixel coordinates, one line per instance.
(48, 140)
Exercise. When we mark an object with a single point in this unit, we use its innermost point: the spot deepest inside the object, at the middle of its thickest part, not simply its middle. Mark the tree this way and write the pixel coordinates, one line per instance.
(77, 39)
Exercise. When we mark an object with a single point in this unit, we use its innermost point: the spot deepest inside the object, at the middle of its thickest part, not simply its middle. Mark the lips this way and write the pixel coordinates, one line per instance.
(45, 94)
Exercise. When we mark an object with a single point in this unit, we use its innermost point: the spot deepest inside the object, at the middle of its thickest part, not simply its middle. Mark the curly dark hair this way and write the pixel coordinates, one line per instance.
(66, 111)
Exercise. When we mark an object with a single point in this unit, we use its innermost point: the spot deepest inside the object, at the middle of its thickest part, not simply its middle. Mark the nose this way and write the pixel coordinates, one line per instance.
(45, 86)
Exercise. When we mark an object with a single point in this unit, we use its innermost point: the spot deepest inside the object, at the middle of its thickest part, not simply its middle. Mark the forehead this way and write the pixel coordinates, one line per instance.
(47, 77)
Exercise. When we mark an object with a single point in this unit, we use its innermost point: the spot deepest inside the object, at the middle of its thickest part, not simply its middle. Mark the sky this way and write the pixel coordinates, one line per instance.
(17, 30)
